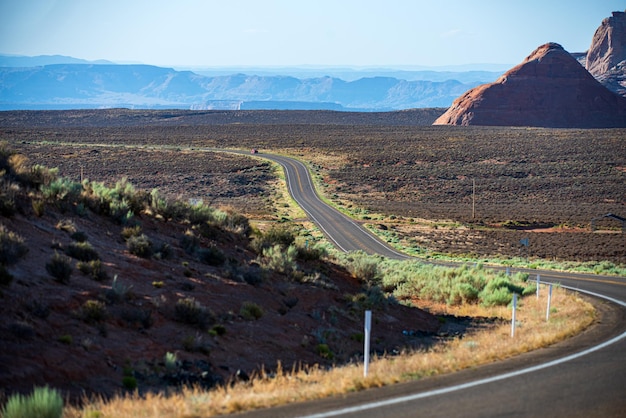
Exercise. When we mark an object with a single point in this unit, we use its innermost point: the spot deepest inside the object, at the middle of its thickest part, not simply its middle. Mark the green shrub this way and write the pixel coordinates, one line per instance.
(82, 251)
(218, 330)
(310, 252)
(12, 246)
(42, 403)
(324, 351)
(233, 222)
(192, 312)
(8, 193)
(498, 296)
(94, 269)
(199, 214)
(212, 256)
(93, 311)
(363, 267)
(61, 190)
(60, 267)
(465, 284)
(131, 231)
(277, 259)
(190, 242)
(79, 236)
(251, 311)
(66, 339)
(463, 293)
(120, 211)
(282, 236)
(141, 246)
(41, 175)
(129, 382)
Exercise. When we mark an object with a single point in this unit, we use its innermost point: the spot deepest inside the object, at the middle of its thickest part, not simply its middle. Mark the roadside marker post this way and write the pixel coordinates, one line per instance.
(549, 301)
(368, 328)
(513, 316)
(537, 286)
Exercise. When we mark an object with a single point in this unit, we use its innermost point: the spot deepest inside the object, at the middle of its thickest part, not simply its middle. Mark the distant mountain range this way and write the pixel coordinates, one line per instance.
(57, 82)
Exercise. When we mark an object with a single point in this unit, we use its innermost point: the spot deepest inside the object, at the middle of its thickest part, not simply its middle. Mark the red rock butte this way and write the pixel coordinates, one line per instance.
(548, 89)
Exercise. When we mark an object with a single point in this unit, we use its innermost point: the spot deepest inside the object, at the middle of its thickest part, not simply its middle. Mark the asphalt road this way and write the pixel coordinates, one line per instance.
(584, 376)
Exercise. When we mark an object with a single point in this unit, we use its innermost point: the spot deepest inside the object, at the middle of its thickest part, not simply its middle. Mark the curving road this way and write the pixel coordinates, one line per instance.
(341, 230)
(584, 376)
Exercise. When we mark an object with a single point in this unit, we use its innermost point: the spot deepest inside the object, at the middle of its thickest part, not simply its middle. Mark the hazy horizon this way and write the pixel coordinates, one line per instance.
(350, 34)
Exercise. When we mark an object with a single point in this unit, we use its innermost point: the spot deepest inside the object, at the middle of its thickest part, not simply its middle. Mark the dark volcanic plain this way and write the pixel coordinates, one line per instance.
(544, 184)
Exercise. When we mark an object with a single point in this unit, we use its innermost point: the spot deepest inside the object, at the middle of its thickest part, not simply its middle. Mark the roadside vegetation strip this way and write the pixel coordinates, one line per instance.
(571, 315)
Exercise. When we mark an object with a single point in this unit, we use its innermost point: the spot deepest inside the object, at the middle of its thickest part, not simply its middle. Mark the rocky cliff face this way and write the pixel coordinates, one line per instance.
(548, 89)
(606, 57)
(608, 46)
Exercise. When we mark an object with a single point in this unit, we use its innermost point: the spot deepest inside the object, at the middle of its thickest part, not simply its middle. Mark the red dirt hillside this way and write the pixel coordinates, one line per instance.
(86, 314)
(548, 89)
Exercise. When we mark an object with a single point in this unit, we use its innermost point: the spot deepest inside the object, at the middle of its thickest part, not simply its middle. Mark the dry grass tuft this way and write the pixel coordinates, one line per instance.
(570, 315)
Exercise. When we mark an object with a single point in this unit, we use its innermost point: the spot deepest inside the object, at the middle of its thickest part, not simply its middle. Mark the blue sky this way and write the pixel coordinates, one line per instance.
(356, 33)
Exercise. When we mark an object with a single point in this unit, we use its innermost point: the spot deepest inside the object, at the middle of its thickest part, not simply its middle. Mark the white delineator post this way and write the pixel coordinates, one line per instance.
(513, 316)
(368, 328)
(549, 301)
(537, 286)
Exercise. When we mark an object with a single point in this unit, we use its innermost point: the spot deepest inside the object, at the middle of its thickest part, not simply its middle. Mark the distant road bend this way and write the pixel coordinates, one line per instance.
(584, 376)
(341, 230)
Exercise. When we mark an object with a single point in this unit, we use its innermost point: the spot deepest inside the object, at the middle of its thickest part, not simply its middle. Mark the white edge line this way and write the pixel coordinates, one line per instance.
(468, 385)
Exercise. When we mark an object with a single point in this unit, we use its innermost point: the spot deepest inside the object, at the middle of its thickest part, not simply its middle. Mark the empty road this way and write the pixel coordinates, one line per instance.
(584, 376)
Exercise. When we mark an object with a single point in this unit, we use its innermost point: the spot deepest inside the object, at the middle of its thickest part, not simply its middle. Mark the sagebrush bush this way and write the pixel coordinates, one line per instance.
(82, 251)
(12, 246)
(61, 190)
(192, 312)
(363, 267)
(277, 235)
(235, 223)
(141, 246)
(311, 252)
(94, 269)
(120, 202)
(129, 382)
(251, 311)
(60, 267)
(8, 192)
(42, 403)
(199, 214)
(93, 311)
(454, 286)
(190, 242)
(40, 175)
(79, 236)
(278, 259)
(130, 231)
